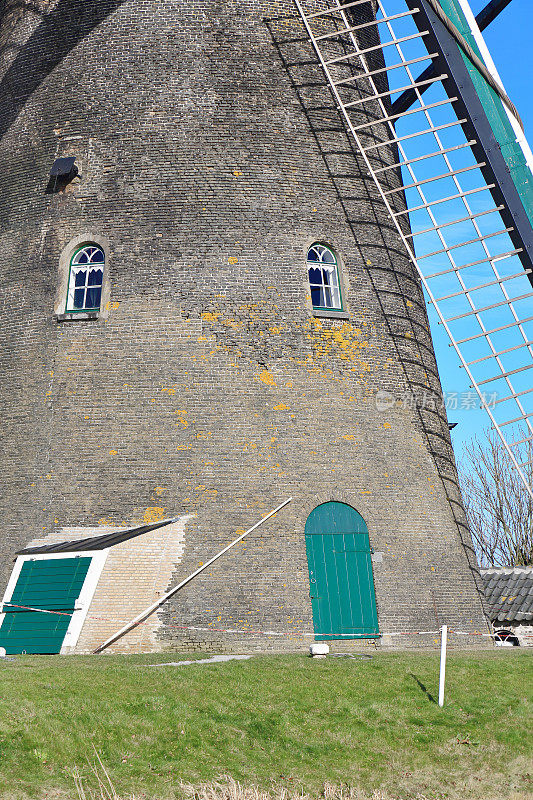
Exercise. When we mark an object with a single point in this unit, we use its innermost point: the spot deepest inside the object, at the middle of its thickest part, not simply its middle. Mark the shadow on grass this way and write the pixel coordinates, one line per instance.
(421, 685)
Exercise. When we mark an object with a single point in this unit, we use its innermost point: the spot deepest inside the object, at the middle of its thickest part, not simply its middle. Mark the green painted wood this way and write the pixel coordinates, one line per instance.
(340, 573)
(51, 584)
(495, 111)
(29, 633)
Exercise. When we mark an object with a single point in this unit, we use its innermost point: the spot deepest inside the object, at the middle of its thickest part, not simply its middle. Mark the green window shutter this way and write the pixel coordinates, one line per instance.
(340, 573)
(53, 585)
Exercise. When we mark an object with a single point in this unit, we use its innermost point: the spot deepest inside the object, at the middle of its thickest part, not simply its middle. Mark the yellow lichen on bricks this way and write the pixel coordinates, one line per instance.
(233, 260)
(267, 378)
(209, 317)
(281, 407)
(153, 514)
(181, 420)
(344, 343)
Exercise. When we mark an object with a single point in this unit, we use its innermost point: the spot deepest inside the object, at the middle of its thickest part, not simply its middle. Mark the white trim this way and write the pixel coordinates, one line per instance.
(84, 600)
(12, 582)
(98, 559)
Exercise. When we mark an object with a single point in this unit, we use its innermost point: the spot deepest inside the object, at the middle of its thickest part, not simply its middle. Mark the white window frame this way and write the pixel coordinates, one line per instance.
(335, 286)
(74, 269)
(81, 609)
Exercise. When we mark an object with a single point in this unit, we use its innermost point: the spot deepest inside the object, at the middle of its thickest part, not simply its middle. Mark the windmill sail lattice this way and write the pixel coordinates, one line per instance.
(453, 196)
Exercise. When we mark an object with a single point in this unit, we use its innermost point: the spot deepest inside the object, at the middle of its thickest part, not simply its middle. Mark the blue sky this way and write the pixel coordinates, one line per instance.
(510, 41)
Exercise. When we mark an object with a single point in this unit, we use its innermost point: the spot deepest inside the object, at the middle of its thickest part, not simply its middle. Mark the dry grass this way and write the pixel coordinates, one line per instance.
(103, 788)
(226, 788)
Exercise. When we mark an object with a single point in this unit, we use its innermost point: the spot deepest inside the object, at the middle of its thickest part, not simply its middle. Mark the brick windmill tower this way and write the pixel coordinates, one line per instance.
(208, 306)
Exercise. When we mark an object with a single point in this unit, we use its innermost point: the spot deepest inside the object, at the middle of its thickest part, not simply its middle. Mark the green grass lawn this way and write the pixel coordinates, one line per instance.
(271, 721)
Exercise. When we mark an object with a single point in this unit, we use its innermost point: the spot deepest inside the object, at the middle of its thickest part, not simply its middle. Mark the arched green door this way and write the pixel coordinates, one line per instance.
(340, 573)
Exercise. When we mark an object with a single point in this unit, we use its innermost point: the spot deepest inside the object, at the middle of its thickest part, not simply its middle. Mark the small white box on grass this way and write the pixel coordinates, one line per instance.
(319, 650)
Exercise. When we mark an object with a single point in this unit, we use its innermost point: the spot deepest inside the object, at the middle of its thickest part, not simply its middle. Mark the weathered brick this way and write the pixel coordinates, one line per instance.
(207, 385)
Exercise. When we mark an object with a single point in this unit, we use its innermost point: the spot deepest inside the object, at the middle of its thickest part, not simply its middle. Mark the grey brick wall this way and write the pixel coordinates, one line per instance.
(207, 385)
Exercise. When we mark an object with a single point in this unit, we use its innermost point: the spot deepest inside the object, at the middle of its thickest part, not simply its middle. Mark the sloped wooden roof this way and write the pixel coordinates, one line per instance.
(96, 542)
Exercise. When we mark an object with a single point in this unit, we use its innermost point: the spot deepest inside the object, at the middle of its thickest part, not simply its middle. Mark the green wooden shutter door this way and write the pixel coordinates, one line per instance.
(340, 573)
(52, 584)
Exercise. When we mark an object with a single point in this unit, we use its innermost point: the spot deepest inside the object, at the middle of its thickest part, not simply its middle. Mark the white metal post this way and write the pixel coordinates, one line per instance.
(442, 676)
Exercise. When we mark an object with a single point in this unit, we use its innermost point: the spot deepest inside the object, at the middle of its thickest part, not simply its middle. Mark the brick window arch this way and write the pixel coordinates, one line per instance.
(323, 270)
(86, 278)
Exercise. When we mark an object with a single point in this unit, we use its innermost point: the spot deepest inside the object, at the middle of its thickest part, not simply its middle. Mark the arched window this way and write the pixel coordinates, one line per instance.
(323, 277)
(85, 279)
(506, 639)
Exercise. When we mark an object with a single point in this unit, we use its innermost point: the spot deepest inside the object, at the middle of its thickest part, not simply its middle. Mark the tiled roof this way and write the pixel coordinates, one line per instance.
(509, 593)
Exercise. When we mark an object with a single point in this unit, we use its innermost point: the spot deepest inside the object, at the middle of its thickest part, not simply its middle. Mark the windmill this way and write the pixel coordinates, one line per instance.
(224, 287)
(463, 165)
